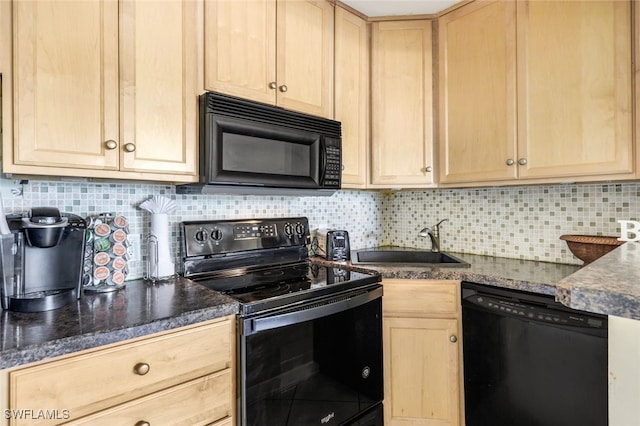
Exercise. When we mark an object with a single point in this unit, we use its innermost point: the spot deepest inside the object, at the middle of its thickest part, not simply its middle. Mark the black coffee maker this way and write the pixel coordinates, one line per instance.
(42, 260)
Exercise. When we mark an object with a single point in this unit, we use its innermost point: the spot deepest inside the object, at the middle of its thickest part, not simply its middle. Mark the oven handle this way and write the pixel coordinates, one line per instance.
(256, 325)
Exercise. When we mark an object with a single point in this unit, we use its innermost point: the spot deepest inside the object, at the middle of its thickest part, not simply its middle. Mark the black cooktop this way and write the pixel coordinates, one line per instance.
(274, 287)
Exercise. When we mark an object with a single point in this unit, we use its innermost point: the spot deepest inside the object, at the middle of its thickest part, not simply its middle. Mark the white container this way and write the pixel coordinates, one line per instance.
(159, 261)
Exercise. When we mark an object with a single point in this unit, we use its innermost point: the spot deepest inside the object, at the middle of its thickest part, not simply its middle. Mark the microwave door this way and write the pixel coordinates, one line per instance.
(242, 153)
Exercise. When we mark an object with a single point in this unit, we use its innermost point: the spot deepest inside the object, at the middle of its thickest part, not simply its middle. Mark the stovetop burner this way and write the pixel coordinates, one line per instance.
(262, 263)
(264, 292)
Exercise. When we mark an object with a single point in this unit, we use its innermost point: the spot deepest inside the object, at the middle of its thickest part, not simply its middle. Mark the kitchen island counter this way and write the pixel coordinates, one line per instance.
(97, 319)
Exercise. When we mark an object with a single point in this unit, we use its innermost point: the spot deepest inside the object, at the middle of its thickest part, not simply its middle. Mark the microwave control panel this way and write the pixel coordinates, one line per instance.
(333, 167)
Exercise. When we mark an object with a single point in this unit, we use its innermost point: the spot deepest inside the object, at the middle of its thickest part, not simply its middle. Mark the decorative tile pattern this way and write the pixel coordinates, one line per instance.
(514, 222)
(517, 222)
(356, 211)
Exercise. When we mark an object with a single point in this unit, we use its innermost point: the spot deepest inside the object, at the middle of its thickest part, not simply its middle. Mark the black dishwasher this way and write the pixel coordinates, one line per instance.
(531, 361)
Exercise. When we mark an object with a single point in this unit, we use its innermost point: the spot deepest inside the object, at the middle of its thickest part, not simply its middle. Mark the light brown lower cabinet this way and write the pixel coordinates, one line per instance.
(180, 377)
(422, 353)
(193, 403)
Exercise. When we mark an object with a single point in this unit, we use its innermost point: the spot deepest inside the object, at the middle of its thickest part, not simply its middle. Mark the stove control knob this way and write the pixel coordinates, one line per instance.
(201, 235)
(216, 235)
(288, 230)
(299, 228)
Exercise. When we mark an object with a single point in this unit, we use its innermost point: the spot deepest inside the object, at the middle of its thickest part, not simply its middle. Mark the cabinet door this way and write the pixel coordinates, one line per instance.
(159, 77)
(240, 48)
(65, 62)
(352, 95)
(478, 93)
(421, 371)
(402, 131)
(575, 87)
(305, 56)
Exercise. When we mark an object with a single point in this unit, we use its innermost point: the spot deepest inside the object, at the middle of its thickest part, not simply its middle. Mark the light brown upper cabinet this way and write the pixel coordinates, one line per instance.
(102, 89)
(575, 88)
(557, 110)
(477, 53)
(278, 52)
(352, 95)
(401, 104)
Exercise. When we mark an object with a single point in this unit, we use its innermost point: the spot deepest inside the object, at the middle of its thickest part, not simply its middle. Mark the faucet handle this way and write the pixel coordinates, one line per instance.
(438, 224)
(436, 227)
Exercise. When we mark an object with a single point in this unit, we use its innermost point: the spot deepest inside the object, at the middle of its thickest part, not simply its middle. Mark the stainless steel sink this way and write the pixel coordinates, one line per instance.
(413, 257)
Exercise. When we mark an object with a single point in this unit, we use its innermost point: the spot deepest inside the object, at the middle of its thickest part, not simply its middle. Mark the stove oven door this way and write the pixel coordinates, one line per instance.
(317, 364)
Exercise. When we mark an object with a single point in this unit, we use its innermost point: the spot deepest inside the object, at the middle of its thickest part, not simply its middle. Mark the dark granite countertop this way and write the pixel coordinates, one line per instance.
(610, 285)
(141, 308)
(527, 275)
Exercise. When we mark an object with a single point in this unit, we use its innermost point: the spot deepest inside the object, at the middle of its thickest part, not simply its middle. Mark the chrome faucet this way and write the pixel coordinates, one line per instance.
(434, 234)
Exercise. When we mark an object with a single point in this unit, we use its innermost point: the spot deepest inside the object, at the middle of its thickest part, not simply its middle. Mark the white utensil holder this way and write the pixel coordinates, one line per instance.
(159, 261)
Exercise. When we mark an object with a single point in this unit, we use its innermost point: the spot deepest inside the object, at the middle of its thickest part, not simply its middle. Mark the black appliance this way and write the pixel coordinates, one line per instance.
(530, 361)
(42, 260)
(252, 148)
(337, 245)
(309, 336)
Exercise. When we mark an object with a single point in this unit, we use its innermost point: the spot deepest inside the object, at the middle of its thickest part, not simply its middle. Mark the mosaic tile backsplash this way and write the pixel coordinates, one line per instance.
(515, 222)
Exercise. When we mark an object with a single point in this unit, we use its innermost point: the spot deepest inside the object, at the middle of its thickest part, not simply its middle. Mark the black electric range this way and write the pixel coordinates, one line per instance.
(309, 337)
(262, 263)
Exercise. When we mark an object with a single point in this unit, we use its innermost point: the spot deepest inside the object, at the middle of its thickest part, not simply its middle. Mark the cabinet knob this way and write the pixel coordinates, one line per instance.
(283, 88)
(522, 161)
(141, 368)
(142, 423)
(453, 338)
(342, 168)
(428, 169)
(273, 85)
(509, 162)
(111, 144)
(129, 147)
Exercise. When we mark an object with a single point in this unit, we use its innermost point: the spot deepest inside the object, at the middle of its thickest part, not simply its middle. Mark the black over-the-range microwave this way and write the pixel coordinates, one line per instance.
(248, 147)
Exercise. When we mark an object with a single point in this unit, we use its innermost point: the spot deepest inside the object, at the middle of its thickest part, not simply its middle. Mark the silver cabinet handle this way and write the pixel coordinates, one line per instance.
(111, 144)
(428, 169)
(453, 339)
(283, 88)
(141, 368)
(522, 161)
(129, 147)
(342, 168)
(273, 85)
(509, 162)
(142, 423)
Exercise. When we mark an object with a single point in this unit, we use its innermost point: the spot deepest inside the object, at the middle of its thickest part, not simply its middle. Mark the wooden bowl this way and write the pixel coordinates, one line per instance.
(590, 247)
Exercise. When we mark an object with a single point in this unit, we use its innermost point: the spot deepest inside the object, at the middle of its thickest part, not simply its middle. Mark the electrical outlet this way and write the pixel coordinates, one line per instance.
(135, 244)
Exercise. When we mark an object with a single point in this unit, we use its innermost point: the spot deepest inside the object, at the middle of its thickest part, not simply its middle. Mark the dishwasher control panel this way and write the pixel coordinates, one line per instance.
(534, 312)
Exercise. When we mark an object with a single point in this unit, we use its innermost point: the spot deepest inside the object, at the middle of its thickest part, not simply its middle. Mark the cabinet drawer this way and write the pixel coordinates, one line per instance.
(225, 422)
(420, 297)
(198, 402)
(94, 381)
